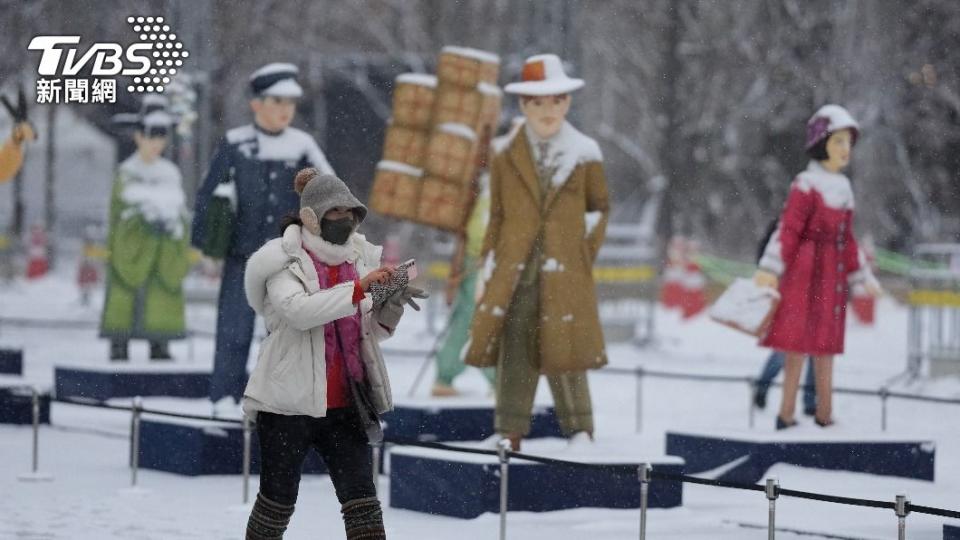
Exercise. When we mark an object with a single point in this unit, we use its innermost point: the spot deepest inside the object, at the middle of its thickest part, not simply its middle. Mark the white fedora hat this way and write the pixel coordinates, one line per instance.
(543, 75)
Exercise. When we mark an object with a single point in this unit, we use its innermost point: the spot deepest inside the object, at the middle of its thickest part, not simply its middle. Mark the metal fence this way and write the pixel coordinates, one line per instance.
(884, 394)
(645, 475)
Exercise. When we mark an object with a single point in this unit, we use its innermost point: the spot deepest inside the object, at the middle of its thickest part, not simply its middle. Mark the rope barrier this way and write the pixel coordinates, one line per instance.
(929, 510)
(674, 375)
(639, 371)
(836, 499)
(101, 405)
(628, 469)
(644, 372)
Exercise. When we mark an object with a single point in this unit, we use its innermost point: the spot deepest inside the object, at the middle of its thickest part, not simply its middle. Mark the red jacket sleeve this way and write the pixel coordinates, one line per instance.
(782, 247)
(358, 293)
(851, 254)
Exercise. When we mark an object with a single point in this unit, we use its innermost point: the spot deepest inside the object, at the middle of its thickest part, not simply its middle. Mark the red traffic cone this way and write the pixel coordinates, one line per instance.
(37, 262)
(671, 289)
(694, 299)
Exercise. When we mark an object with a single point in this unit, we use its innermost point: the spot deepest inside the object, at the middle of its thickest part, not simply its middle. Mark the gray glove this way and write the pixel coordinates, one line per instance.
(391, 311)
(410, 292)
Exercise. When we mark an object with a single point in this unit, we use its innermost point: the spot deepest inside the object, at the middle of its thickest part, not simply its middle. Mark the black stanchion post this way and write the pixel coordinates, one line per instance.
(132, 421)
(246, 458)
(135, 433)
(377, 452)
(503, 453)
(884, 395)
(639, 375)
(902, 509)
(34, 474)
(772, 491)
(644, 473)
(35, 413)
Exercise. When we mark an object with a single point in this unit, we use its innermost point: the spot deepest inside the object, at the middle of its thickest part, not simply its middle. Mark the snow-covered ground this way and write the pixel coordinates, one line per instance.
(85, 450)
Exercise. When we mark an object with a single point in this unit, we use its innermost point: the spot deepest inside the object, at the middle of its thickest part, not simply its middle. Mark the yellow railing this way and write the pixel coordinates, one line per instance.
(602, 274)
(928, 297)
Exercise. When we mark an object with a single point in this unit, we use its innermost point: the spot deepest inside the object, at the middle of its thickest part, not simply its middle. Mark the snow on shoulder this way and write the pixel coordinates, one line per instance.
(572, 149)
(833, 187)
(474, 54)
(289, 145)
(419, 79)
(154, 191)
(501, 143)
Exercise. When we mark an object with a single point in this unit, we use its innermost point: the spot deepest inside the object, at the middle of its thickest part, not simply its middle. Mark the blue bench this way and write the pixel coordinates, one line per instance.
(452, 420)
(745, 458)
(107, 382)
(16, 405)
(11, 361)
(468, 485)
(195, 448)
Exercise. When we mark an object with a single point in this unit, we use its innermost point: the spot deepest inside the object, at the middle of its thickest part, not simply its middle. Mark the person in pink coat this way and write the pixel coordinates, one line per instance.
(813, 259)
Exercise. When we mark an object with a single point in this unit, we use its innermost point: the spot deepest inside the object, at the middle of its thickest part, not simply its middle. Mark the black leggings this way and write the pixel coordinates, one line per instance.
(339, 438)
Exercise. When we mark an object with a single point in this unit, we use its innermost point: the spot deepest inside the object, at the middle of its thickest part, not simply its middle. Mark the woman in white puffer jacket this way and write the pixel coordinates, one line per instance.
(320, 381)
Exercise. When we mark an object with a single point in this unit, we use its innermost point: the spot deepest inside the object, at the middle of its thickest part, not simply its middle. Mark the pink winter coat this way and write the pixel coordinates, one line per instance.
(815, 254)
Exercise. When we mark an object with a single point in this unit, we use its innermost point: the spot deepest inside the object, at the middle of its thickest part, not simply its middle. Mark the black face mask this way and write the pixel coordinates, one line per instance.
(336, 231)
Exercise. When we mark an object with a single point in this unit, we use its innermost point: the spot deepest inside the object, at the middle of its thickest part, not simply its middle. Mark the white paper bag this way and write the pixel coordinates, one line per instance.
(746, 306)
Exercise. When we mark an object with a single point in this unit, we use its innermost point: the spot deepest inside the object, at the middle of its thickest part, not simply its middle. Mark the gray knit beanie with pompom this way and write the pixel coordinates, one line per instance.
(322, 192)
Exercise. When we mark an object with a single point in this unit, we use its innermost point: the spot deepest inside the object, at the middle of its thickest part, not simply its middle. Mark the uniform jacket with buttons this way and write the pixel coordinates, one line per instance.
(262, 167)
(814, 252)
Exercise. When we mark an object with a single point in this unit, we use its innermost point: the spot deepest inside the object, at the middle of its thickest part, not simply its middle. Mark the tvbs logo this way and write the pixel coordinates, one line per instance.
(107, 58)
(151, 62)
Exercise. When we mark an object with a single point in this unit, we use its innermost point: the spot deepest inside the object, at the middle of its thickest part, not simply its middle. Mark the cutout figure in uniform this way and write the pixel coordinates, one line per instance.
(253, 170)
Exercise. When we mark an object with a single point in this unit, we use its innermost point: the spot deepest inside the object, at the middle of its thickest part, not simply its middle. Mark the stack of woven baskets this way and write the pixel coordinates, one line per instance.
(437, 141)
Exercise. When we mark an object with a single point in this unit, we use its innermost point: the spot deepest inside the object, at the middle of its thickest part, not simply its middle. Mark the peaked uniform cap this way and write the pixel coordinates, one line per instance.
(543, 75)
(278, 79)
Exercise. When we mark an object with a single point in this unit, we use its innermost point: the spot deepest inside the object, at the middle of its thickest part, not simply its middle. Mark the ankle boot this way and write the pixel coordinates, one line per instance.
(118, 350)
(159, 350)
(268, 519)
(363, 519)
(784, 424)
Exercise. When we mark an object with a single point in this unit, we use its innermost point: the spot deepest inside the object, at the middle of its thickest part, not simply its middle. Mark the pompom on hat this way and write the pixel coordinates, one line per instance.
(543, 75)
(323, 192)
(828, 120)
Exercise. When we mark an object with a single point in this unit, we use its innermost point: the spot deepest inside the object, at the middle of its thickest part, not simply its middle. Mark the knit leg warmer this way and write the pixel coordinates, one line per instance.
(363, 519)
(268, 520)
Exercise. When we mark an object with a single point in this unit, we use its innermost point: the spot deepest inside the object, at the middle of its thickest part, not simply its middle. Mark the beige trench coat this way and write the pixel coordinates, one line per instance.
(572, 226)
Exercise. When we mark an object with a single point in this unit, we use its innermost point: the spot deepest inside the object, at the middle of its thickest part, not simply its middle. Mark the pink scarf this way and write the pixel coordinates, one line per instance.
(348, 328)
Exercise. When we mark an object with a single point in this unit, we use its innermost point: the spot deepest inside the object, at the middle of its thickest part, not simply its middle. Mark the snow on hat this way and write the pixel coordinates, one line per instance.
(322, 192)
(278, 79)
(153, 102)
(156, 123)
(543, 75)
(153, 118)
(828, 120)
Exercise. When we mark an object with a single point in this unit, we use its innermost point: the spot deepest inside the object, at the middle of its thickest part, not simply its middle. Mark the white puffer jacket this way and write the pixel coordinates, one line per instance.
(281, 285)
